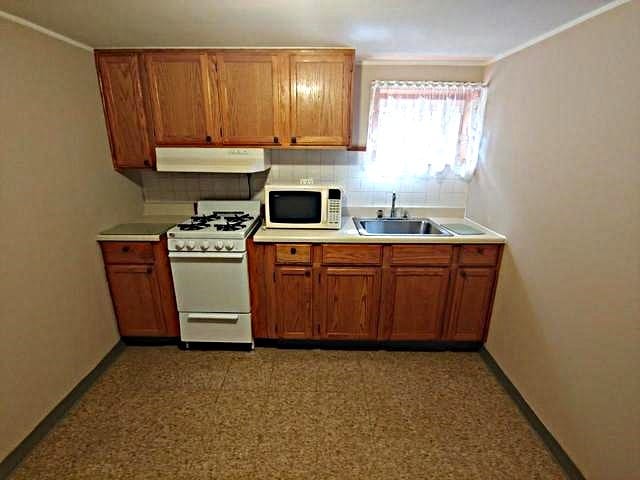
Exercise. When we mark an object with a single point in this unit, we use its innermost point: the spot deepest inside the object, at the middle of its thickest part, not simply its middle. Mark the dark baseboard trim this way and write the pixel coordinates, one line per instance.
(15, 457)
(569, 467)
(418, 346)
(150, 341)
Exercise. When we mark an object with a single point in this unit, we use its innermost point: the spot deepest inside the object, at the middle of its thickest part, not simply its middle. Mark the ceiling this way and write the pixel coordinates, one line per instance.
(380, 30)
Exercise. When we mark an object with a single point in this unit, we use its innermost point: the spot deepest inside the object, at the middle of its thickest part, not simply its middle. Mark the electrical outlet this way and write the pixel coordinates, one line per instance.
(306, 181)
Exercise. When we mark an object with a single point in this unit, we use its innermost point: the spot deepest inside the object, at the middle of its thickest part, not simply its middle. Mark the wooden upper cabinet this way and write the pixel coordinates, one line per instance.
(127, 125)
(183, 98)
(320, 109)
(471, 304)
(250, 98)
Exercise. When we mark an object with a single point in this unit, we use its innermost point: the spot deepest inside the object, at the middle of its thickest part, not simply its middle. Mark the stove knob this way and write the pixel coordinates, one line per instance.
(228, 245)
(180, 244)
(219, 245)
(205, 245)
(191, 244)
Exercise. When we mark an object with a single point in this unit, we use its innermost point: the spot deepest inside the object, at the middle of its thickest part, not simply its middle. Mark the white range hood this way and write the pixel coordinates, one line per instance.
(213, 160)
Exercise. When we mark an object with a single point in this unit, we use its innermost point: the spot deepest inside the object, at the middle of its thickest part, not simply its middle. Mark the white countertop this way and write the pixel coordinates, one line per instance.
(349, 234)
(148, 228)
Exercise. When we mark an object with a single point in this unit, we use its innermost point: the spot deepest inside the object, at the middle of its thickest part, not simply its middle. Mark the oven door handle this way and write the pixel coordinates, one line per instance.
(212, 255)
(212, 316)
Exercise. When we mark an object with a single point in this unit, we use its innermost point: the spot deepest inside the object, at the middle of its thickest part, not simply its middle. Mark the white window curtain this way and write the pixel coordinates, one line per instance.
(426, 129)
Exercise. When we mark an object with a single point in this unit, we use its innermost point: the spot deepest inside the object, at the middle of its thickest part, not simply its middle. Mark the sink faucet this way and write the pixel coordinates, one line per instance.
(392, 213)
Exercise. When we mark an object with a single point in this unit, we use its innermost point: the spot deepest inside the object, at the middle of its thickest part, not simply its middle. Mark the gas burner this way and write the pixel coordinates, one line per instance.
(230, 227)
(238, 217)
(205, 218)
(190, 227)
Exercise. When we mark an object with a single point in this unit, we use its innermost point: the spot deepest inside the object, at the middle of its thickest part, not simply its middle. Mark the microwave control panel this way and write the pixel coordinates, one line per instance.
(334, 204)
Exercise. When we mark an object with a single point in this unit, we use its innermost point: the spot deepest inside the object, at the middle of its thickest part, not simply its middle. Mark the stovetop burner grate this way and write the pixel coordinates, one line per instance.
(235, 220)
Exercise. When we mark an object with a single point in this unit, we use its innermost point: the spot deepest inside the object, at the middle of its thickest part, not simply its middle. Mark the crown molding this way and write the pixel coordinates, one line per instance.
(558, 30)
(434, 62)
(220, 47)
(46, 31)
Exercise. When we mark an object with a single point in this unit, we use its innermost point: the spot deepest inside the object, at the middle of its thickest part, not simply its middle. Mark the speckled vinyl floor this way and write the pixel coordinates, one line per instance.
(161, 413)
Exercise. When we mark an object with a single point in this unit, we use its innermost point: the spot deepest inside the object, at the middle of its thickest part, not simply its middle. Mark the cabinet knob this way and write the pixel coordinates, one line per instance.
(208, 138)
(293, 250)
(463, 274)
(481, 251)
(147, 163)
(294, 140)
(126, 248)
(307, 273)
(275, 140)
(149, 269)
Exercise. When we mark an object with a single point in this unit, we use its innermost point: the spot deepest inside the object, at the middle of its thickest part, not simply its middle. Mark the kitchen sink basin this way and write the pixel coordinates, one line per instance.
(400, 226)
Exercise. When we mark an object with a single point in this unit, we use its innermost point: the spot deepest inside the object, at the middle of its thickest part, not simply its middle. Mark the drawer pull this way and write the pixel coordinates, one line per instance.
(481, 251)
(293, 250)
(125, 249)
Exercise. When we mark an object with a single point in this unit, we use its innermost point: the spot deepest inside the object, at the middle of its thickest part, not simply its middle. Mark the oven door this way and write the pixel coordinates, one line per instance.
(211, 282)
(296, 208)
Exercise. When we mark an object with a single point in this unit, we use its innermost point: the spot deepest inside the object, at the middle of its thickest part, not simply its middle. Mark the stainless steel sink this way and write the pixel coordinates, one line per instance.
(400, 226)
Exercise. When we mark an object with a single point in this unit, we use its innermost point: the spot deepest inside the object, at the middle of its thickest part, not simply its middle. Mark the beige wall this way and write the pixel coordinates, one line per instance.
(363, 75)
(57, 190)
(561, 178)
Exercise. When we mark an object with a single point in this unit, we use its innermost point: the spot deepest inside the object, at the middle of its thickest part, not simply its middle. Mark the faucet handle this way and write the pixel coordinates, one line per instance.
(380, 213)
(405, 213)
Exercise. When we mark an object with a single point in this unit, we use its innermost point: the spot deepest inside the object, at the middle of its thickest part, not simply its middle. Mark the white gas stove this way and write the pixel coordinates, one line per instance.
(208, 258)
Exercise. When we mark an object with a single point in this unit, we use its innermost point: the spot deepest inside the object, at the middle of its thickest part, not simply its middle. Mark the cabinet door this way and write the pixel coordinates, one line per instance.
(135, 292)
(249, 98)
(181, 98)
(413, 304)
(293, 302)
(124, 110)
(351, 302)
(321, 99)
(470, 304)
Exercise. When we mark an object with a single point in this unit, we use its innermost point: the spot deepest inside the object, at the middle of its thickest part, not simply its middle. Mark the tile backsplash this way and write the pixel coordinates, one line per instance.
(323, 166)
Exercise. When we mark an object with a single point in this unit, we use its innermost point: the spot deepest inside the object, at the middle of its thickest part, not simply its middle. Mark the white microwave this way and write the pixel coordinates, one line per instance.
(303, 206)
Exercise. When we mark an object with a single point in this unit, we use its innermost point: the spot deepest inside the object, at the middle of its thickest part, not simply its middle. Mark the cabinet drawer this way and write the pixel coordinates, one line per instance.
(479, 255)
(352, 254)
(127, 252)
(293, 253)
(421, 254)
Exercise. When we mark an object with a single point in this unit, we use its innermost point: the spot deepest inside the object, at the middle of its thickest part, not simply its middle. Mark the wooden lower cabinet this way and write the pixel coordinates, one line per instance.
(293, 303)
(470, 305)
(413, 305)
(373, 292)
(142, 293)
(137, 299)
(350, 302)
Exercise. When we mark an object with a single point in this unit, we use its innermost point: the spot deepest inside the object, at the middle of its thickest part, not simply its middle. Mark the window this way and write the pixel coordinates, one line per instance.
(424, 129)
